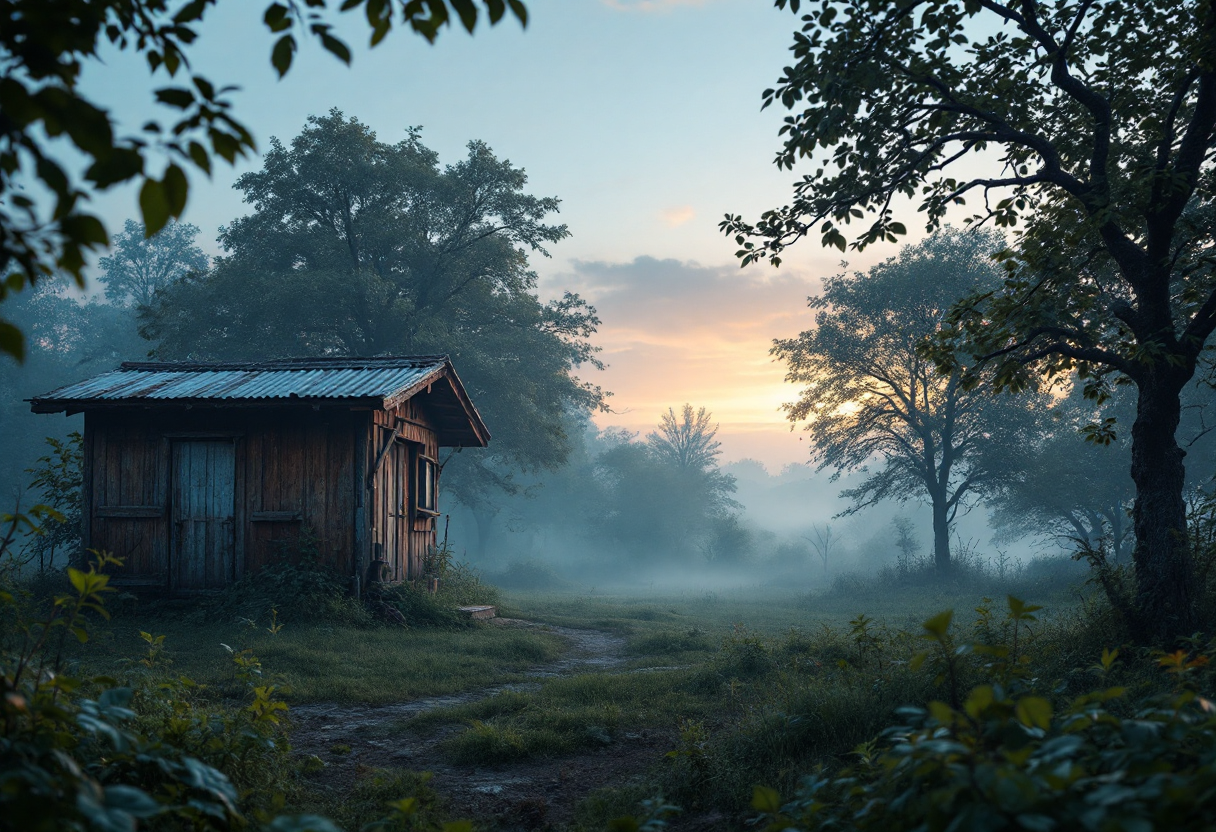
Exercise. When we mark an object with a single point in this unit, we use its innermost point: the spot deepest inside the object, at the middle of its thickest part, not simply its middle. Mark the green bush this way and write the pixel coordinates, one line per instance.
(418, 606)
(460, 585)
(74, 753)
(299, 587)
(743, 655)
(1009, 755)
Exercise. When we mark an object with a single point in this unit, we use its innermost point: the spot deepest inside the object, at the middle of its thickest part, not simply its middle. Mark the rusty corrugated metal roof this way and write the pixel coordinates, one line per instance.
(293, 378)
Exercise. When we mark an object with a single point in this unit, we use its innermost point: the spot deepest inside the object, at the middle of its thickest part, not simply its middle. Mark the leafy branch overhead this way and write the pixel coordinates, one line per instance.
(885, 102)
(45, 46)
(1086, 127)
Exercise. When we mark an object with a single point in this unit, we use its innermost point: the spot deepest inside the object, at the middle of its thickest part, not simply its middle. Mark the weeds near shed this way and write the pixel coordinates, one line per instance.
(297, 586)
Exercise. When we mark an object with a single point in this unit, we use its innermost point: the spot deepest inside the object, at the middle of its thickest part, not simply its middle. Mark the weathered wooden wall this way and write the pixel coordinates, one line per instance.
(295, 469)
(126, 493)
(300, 474)
(402, 532)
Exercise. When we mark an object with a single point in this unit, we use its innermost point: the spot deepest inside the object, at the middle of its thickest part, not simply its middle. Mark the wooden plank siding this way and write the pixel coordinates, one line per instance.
(299, 474)
(416, 435)
(127, 476)
(293, 470)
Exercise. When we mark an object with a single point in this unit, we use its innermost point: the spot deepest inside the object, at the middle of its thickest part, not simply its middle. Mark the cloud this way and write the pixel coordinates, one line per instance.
(678, 216)
(677, 331)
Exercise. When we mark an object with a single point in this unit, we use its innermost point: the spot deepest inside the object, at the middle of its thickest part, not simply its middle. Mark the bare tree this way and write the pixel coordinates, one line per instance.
(823, 541)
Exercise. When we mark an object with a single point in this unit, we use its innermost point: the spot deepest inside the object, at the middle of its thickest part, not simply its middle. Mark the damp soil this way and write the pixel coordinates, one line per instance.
(527, 794)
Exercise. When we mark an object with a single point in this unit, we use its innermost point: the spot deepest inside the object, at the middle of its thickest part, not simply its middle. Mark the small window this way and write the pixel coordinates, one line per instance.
(426, 486)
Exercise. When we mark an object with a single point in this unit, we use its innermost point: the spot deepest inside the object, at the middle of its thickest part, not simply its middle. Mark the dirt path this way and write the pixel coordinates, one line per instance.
(529, 794)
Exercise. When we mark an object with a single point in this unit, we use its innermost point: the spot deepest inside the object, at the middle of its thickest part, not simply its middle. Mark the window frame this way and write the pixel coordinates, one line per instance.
(426, 472)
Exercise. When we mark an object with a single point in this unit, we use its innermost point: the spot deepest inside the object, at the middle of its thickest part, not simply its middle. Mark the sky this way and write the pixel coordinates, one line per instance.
(642, 116)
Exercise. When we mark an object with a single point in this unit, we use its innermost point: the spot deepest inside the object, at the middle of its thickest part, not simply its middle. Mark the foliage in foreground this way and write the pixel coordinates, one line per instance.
(73, 757)
(97, 754)
(1008, 758)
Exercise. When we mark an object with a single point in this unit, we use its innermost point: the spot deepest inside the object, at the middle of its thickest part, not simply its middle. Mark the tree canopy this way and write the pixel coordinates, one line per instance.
(45, 46)
(868, 393)
(1089, 127)
(686, 441)
(1067, 486)
(666, 495)
(358, 247)
(138, 265)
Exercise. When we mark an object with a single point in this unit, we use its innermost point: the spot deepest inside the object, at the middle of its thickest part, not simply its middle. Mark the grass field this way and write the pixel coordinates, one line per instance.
(320, 662)
(729, 688)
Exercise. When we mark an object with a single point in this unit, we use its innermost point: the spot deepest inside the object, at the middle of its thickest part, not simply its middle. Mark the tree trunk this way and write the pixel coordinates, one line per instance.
(941, 536)
(1164, 571)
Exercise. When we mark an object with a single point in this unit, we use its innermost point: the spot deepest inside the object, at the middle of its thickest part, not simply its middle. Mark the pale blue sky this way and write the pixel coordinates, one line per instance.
(643, 117)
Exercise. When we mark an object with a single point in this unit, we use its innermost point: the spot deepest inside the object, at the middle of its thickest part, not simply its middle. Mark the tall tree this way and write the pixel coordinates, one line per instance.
(45, 46)
(686, 441)
(869, 394)
(138, 265)
(358, 247)
(1093, 123)
(659, 502)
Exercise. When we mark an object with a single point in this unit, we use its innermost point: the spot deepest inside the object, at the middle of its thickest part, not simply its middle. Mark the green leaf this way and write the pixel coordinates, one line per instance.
(766, 800)
(1034, 711)
(467, 11)
(336, 47)
(80, 580)
(623, 824)
(12, 342)
(154, 205)
(276, 18)
(284, 50)
(302, 823)
(519, 11)
(179, 97)
(177, 188)
(132, 801)
(939, 625)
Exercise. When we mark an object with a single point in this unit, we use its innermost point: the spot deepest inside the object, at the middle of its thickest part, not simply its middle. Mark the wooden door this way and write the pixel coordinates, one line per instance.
(397, 505)
(204, 500)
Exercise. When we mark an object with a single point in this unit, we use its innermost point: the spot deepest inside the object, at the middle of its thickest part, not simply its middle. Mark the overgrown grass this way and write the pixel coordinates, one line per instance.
(568, 714)
(365, 804)
(375, 665)
(747, 687)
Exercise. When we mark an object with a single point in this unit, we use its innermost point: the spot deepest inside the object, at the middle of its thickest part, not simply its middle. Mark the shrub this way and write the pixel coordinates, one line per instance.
(72, 752)
(743, 655)
(299, 586)
(461, 585)
(419, 607)
(1005, 756)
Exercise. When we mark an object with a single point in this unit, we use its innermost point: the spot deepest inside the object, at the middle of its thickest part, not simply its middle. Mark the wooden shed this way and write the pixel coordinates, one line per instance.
(197, 473)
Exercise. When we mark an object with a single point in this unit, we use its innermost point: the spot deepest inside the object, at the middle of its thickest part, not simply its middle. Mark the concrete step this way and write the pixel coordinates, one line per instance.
(478, 613)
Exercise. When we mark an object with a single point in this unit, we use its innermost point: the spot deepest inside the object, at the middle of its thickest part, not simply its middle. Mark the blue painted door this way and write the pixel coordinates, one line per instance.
(204, 500)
